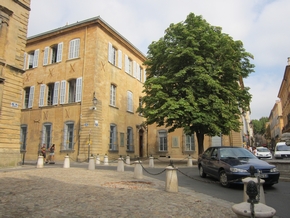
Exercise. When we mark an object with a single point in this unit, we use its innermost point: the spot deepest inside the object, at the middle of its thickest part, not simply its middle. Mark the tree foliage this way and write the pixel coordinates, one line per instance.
(194, 74)
(259, 126)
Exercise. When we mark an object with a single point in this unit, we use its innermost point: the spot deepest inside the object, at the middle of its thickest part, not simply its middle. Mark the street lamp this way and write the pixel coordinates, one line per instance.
(95, 101)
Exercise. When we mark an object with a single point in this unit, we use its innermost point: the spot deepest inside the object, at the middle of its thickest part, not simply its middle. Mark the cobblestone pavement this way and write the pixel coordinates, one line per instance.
(49, 192)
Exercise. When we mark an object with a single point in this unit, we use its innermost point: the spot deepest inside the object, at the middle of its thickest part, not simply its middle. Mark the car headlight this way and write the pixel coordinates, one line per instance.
(237, 170)
(273, 170)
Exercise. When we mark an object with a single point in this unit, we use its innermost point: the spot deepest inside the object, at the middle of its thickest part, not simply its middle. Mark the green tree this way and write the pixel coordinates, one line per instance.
(259, 126)
(194, 80)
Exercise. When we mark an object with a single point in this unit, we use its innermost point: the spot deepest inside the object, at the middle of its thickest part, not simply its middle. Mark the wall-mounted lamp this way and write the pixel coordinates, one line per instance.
(95, 101)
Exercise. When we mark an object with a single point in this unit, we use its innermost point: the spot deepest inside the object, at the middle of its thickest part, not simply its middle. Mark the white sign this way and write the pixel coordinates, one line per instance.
(96, 123)
(13, 104)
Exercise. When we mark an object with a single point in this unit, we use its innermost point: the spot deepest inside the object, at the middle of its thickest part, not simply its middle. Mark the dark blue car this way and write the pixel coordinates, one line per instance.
(231, 164)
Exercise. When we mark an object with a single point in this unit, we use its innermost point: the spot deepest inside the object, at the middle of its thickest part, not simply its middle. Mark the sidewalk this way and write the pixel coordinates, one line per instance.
(54, 191)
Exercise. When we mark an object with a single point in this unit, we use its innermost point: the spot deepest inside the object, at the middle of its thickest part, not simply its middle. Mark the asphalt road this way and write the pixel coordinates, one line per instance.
(277, 196)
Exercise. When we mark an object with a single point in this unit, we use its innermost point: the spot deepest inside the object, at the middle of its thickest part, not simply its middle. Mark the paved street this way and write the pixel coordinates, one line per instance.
(27, 191)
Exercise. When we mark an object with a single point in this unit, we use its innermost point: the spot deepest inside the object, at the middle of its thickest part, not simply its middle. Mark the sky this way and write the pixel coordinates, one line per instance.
(262, 26)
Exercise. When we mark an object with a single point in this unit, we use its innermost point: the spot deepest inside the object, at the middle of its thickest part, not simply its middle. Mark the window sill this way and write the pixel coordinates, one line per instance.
(113, 151)
(113, 106)
(67, 151)
(130, 151)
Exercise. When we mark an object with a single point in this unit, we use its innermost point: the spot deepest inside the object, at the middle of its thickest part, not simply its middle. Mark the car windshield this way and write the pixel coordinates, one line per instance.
(283, 148)
(235, 153)
(263, 150)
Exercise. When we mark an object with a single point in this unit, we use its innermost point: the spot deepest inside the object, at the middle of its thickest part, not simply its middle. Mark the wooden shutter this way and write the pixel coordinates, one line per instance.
(144, 77)
(31, 96)
(41, 95)
(134, 68)
(45, 56)
(59, 52)
(77, 48)
(71, 49)
(24, 60)
(79, 89)
(55, 93)
(62, 92)
(35, 58)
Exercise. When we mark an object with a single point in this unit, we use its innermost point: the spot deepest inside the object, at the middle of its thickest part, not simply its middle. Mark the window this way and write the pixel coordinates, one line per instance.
(139, 71)
(114, 56)
(75, 90)
(129, 101)
(162, 134)
(189, 143)
(128, 65)
(74, 48)
(130, 146)
(55, 52)
(113, 138)
(68, 139)
(113, 95)
(23, 137)
(62, 92)
(52, 93)
(46, 134)
(32, 59)
(144, 76)
(28, 97)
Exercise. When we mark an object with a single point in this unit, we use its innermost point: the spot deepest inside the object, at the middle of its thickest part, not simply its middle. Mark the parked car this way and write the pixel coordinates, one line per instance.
(263, 153)
(231, 164)
(282, 150)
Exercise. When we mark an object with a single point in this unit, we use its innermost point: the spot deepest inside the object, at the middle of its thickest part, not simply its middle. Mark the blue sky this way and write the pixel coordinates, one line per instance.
(262, 25)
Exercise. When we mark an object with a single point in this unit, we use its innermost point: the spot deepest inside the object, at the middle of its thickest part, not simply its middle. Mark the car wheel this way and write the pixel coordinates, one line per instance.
(201, 172)
(224, 179)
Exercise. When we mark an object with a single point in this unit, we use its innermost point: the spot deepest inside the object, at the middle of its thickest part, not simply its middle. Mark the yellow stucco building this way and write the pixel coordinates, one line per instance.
(13, 29)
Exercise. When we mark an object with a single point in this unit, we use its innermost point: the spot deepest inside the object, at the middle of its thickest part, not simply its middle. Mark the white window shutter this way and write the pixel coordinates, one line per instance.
(144, 77)
(134, 68)
(43, 135)
(77, 48)
(65, 137)
(62, 92)
(120, 59)
(126, 64)
(45, 56)
(55, 93)
(138, 72)
(35, 58)
(31, 96)
(71, 49)
(110, 48)
(41, 95)
(59, 52)
(79, 89)
(24, 61)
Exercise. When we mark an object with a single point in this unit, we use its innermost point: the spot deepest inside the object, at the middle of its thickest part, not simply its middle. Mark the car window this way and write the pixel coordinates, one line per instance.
(263, 150)
(235, 153)
(214, 152)
(207, 153)
(283, 148)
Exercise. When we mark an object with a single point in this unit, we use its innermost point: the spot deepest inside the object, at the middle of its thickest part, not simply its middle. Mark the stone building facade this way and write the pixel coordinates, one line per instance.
(284, 95)
(276, 123)
(69, 67)
(14, 17)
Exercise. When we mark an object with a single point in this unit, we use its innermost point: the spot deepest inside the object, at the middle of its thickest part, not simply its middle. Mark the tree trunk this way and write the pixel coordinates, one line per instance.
(200, 139)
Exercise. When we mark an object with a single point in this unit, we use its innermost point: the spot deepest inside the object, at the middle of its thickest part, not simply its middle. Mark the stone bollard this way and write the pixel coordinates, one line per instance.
(120, 167)
(252, 208)
(189, 162)
(98, 159)
(171, 184)
(262, 194)
(128, 159)
(106, 161)
(39, 162)
(92, 165)
(151, 162)
(138, 170)
(66, 163)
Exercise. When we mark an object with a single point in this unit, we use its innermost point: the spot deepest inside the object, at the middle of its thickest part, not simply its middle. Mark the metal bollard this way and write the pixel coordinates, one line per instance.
(92, 165)
(66, 163)
(171, 184)
(120, 167)
(138, 171)
(39, 162)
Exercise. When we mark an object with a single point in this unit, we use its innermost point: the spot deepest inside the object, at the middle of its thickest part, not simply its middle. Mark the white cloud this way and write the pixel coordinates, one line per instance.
(262, 25)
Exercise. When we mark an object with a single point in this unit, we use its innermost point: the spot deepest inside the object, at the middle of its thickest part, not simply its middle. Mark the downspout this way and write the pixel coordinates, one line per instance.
(80, 117)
